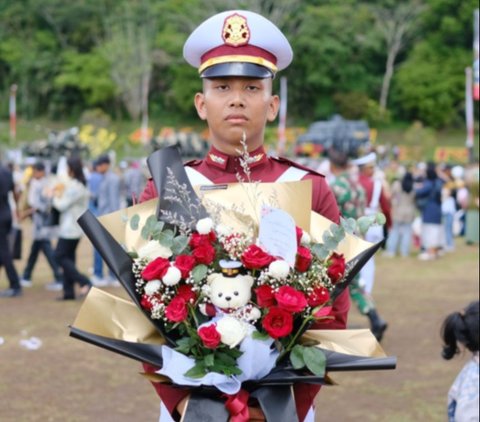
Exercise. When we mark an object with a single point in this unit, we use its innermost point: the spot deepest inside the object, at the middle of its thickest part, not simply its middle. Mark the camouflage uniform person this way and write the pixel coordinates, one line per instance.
(351, 201)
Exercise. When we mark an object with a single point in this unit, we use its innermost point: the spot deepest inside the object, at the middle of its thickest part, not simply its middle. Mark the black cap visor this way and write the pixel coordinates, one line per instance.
(242, 69)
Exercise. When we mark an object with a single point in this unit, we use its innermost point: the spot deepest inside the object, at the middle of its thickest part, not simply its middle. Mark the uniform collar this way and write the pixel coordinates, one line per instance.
(231, 164)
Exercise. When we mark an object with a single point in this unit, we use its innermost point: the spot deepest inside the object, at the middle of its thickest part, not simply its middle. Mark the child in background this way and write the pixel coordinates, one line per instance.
(461, 328)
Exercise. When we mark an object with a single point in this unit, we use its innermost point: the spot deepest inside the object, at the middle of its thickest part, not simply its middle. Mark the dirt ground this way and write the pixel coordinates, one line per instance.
(68, 380)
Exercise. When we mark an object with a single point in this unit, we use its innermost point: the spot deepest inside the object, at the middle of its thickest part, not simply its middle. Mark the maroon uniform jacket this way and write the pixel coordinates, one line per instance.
(384, 202)
(221, 168)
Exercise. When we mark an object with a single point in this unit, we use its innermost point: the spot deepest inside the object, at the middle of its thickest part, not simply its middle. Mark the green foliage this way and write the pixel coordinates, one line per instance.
(89, 73)
(66, 57)
(311, 357)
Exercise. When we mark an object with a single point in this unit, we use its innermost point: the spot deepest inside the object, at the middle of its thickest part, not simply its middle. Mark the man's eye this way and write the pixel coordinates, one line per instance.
(252, 88)
(221, 87)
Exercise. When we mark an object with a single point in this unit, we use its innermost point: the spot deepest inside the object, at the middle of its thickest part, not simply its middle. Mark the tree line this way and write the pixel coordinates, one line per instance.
(381, 60)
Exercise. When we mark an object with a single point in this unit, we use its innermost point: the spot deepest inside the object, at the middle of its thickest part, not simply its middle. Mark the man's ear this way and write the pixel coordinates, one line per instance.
(273, 108)
(200, 105)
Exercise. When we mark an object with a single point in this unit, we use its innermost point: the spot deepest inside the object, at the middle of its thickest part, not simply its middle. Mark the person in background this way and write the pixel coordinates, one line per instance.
(134, 182)
(431, 233)
(351, 202)
(108, 200)
(377, 201)
(71, 200)
(460, 330)
(6, 187)
(39, 207)
(403, 214)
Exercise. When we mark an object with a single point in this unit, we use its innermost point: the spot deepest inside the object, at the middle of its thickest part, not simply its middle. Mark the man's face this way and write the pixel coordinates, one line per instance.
(368, 170)
(235, 105)
(38, 174)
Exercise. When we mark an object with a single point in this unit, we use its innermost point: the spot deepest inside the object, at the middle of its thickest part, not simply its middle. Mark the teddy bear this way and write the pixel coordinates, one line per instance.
(231, 296)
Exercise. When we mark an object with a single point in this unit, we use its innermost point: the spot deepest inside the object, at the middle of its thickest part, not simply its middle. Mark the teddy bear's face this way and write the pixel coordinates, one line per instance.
(228, 292)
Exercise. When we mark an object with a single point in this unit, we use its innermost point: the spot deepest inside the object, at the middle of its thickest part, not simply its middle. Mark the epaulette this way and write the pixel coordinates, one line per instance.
(193, 163)
(284, 160)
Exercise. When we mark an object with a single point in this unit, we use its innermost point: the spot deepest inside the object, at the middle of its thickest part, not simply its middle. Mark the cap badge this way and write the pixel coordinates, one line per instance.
(235, 30)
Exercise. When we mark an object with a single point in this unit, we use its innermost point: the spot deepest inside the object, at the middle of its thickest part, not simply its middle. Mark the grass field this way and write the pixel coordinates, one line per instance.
(68, 380)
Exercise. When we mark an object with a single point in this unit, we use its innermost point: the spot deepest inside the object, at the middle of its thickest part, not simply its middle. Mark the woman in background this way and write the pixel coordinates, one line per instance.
(71, 200)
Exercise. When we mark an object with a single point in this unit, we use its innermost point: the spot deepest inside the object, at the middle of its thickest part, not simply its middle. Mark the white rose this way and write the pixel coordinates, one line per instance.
(223, 230)
(153, 249)
(172, 276)
(231, 330)
(279, 269)
(152, 287)
(306, 239)
(204, 226)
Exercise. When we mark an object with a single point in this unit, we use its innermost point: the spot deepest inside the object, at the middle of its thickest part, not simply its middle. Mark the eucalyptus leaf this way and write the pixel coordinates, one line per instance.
(315, 360)
(380, 219)
(134, 222)
(320, 251)
(179, 244)
(199, 272)
(151, 221)
(338, 232)
(296, 357)
(166, 238)
(349, 225)
(331, 244)
(146, 232)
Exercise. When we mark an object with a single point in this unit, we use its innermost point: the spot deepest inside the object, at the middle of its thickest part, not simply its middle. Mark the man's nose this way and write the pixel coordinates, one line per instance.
(237, 99)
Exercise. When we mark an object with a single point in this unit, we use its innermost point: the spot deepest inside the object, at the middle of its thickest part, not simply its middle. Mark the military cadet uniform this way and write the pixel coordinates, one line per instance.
(244, 44)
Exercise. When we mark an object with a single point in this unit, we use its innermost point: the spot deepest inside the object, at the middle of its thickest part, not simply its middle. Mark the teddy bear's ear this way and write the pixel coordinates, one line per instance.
(212, 277)
(248, 279)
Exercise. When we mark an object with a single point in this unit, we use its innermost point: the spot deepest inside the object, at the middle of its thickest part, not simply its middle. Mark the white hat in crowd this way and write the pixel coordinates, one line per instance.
(237, 43)
(370, 158)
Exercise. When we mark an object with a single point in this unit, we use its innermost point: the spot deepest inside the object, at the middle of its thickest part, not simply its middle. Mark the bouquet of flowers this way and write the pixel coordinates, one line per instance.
(232, 302)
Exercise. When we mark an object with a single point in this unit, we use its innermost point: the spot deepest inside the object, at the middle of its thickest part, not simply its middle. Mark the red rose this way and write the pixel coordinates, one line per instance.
(145, 303)
(290, 299)
(198, 239)
(204, 254)
(278, 322)
(265, 298)
(176, 311)
(210, 336)
(299, 233)
(185, 291)
(324, 312)
(185, 264)
(304, 259)
(336, 269)
(156, 269)
(255, 258)
(319, 296)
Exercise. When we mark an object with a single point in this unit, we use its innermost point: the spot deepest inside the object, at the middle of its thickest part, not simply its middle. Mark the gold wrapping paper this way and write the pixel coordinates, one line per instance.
(110, 316)
(292, 197)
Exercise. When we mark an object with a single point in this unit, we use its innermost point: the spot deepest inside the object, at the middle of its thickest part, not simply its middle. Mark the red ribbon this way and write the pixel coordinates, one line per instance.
(237, 406)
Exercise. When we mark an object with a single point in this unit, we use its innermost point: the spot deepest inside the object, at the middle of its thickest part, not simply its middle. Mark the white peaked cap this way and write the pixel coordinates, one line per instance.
(237, 43)
(370, 158)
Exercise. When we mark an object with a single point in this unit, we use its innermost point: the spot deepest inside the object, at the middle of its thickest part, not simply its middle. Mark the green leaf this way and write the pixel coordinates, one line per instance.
(296, 357)
(166, 238)
(134, 222)
(157, 228)
(320, 251)
(209, 360)
(331, 244)
(349, 225)
(183, 345)
(338, 232)
(146, 231)
(315, 360)
(226, 359)
(179, 244)
(199, 272)
(257, 335)
(364, 223)
(380, 219)
(197, 371)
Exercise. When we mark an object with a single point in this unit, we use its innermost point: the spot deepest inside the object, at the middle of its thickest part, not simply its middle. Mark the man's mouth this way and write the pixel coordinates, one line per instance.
(236, 118)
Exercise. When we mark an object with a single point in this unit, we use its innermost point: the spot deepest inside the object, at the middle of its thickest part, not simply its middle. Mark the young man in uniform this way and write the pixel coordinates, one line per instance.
(237, 54)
